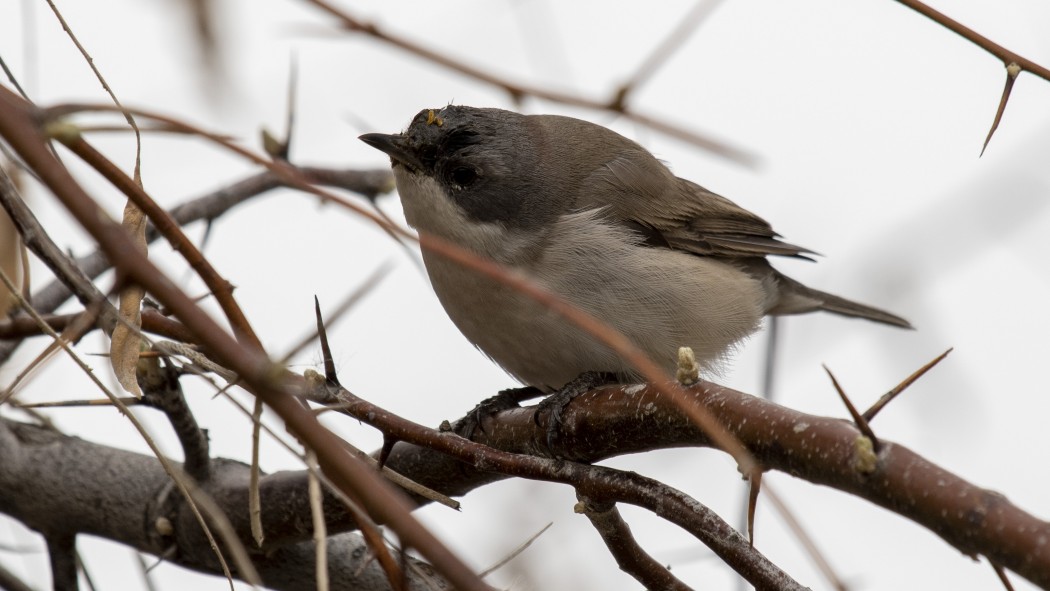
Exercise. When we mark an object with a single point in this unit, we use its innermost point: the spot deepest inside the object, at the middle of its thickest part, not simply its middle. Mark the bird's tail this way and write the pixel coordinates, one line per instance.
(796, 298)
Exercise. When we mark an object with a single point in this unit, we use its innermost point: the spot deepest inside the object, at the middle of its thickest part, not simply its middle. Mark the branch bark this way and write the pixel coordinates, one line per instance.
(62, 486)
(621, 420)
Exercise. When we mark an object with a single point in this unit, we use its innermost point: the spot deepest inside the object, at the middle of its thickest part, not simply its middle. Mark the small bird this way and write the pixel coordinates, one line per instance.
(597, 219)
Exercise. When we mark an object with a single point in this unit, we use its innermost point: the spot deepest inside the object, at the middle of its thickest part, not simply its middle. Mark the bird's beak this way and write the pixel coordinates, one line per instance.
(395, 146)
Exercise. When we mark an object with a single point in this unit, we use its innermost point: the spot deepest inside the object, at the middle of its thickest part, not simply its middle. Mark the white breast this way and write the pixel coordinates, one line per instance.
(659, 298)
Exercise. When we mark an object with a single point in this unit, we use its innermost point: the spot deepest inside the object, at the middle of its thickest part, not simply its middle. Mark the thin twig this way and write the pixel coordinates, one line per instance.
(807, 541)
(1004, 54)
(515, 552)
(254, 502)
(687, 25)
(105, 85)
(517, 90)
(320, 528)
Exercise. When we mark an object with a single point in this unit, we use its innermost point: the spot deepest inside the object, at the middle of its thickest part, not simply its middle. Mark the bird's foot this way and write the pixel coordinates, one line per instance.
(556, 402)
(504, 400)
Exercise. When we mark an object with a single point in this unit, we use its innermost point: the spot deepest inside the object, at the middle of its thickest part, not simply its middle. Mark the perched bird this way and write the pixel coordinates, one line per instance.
(595, 218)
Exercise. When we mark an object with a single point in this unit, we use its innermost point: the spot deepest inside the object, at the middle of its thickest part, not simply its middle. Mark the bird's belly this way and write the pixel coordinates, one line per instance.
(657, 307)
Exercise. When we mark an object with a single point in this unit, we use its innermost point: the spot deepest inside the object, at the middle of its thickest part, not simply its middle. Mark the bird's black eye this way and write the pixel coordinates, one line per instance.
(463, 175)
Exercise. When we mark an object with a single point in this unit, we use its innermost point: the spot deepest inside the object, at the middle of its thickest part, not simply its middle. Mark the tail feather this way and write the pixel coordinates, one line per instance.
(796, 298)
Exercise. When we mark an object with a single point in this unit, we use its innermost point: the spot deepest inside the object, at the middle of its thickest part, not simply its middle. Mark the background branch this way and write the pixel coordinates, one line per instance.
(65, 485)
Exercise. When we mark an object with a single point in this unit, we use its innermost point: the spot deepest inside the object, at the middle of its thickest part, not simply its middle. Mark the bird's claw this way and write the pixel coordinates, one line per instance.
(504, 400)
(555, 404)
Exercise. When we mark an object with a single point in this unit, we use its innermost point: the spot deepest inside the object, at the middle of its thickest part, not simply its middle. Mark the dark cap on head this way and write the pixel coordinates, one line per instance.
(484, 159)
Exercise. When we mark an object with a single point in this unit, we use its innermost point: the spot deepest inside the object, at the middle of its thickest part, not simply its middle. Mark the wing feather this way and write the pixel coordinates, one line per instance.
(642, 192)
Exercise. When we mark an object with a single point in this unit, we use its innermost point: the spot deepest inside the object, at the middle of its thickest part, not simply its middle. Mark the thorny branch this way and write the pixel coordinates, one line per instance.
(1012, 62)
(617, 103)
(619, 420)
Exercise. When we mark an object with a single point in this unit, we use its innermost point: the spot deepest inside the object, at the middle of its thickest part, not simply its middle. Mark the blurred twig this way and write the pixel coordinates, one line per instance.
(516, 90)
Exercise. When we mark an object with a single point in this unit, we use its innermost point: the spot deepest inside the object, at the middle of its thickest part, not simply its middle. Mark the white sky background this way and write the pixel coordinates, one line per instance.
(868, 119)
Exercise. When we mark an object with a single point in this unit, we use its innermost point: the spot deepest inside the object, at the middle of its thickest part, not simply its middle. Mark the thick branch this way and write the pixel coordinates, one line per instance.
(60, 486)
(596, 482)
(622, 420)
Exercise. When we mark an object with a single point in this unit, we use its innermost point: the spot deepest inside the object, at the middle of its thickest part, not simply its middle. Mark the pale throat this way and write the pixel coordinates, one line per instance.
(429, 209)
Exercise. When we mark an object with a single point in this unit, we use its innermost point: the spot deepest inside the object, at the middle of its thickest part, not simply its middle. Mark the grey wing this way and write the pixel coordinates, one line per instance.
(672, 212)
(642, 192)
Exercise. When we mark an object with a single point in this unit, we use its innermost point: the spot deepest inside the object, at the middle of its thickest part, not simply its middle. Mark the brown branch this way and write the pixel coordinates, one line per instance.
(597, 482)
(1005, 55)
(1013, 62)
(619, 420)
(21, 327)
(629, 556)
